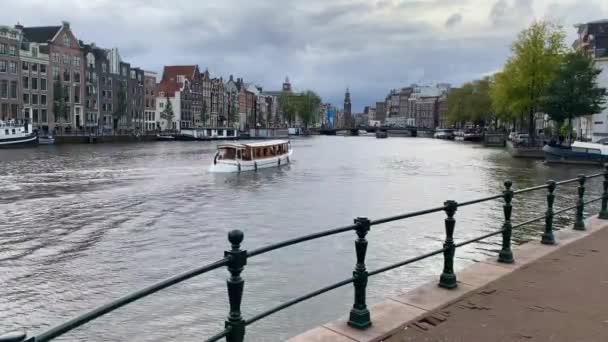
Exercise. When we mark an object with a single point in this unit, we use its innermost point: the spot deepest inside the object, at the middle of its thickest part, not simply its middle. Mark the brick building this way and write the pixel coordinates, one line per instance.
(10, 74)
(150, 123)
(35, 86)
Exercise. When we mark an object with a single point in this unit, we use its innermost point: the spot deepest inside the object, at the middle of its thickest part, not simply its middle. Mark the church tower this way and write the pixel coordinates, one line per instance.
(347, 109)
(287, 85)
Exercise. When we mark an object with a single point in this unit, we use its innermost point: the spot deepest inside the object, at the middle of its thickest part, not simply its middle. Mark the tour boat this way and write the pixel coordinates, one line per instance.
(237, 157)
(578, 153)
(15, 133)
(165, 137)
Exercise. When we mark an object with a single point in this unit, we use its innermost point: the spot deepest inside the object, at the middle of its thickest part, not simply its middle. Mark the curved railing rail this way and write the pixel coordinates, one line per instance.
(236, 258)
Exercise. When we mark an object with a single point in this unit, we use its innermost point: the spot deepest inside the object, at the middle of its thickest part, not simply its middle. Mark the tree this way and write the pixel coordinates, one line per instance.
(167, 113)
(308, 107)
(59, 106)
(519, 89)
(574, 91)
(471, 103)
(288, 108)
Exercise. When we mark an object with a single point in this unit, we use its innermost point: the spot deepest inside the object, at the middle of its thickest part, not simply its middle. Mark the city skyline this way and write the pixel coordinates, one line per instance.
(369, 46)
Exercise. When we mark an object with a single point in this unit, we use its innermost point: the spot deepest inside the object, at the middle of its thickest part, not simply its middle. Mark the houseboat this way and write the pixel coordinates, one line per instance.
(237, 157)
(16, 133)
(578, 153)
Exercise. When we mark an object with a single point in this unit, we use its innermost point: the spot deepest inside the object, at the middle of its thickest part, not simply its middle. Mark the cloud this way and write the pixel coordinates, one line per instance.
(453, 20)
(369, 45)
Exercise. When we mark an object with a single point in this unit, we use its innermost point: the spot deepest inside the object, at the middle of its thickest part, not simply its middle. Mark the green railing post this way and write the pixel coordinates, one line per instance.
(359, 314)
(604, 212)
(506, 255)
(448, 278)
(548, 237)
(238, 259)
(579, 224)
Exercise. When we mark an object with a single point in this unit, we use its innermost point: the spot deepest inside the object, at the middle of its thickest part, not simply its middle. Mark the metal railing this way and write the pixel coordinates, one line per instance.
(236, 258)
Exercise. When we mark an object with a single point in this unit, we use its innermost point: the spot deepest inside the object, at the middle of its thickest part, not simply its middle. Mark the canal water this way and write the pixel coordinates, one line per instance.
(81, 225)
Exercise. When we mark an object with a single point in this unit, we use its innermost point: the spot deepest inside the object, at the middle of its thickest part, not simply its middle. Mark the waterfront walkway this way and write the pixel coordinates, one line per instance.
(562, 296)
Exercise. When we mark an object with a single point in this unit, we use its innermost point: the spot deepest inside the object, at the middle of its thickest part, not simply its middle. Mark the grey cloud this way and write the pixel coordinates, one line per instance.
(515, 12)
(453, 20)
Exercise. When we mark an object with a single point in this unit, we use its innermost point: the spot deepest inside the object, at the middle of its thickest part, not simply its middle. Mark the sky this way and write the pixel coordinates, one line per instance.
(369, 46)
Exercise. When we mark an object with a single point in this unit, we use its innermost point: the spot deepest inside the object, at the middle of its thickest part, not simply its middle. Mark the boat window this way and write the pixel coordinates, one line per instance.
(594, 151)
(579, 149)
(227, 153)
(14, 131)
(6, 131)
(247, 154)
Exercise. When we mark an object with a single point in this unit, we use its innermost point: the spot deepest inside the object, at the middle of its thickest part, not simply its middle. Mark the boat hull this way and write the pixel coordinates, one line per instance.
(228, 166)
(31, 140)
(567, 156)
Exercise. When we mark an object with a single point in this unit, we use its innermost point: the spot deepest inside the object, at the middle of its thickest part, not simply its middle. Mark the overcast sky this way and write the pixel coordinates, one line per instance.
(370, 46)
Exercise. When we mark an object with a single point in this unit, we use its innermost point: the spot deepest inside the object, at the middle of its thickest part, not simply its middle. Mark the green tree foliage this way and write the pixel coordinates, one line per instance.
(519, 89)
(574, 91)
(471, 103)
(309, 107)
(288, 108)
(167, 113)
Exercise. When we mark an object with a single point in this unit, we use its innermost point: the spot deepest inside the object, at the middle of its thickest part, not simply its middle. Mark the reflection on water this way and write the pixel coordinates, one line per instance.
(80, 225)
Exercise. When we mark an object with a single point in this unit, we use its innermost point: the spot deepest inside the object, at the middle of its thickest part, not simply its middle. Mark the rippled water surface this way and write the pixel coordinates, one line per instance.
(83, 224)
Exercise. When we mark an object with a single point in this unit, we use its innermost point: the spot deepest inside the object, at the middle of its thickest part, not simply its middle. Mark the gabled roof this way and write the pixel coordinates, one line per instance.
(172, 71)
(40, 34)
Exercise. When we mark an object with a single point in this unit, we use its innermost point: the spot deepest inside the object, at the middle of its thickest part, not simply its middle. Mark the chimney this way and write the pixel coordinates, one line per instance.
(231, 79)
(65, 24)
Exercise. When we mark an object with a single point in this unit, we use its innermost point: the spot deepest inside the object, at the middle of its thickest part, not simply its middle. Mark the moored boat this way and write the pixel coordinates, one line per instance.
(447, 134)
(472, 135)
(237, 157)
(381, 134)
(165, 137)
(578, 153)
(46, 140)
(15, 134)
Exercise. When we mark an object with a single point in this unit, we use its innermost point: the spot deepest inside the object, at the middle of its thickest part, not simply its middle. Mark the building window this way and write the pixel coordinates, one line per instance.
(26, 98)
(26, 82)
(43, 116)
(12, 50)
(66, 93)
(25, 66)
(42, 69)
(55, 57)
(109, 107)
(76, 94)
(2, 49)
(132, 74)
(35, 115)
(66, 40)
(66, 59)
(34, 99)
(34, 67)
(12, 67)
(124, 71)
(104, 67)
(43, 84)
(103, 93)
(161, 105)
(34, 83)
(34, 52)
(56, 73)
(66, 76)
(109, 94)
(43, 100)
(13, 89)
(2, 66)
(76, 77)
(4, 88)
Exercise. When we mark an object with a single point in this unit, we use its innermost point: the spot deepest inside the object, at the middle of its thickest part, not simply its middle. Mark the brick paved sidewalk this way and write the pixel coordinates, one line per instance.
(562, 296)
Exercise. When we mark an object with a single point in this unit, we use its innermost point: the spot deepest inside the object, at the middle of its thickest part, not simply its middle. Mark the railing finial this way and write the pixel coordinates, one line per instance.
(448, 278)
(548, 237)
(506, 254)
(579, 224)
(359, 314)
(238, 259)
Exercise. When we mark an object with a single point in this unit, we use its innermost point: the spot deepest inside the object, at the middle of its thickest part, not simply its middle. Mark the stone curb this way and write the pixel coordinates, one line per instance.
(397, 311)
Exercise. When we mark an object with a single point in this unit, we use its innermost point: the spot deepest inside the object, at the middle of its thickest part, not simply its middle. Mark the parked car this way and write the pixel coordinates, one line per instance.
(521, 139)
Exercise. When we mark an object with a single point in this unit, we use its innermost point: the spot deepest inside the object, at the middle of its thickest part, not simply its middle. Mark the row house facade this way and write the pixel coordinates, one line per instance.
(10, 74)
(187, 81)
(36, 86)
(66, 67)
(150, 123)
